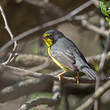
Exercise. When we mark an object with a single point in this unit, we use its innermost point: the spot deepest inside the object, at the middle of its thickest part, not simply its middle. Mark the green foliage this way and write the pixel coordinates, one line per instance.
(105, 10)
(103, 7)
(108, 20)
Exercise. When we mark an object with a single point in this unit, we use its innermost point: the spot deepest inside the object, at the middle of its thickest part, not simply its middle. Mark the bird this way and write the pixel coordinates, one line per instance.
(66, 55)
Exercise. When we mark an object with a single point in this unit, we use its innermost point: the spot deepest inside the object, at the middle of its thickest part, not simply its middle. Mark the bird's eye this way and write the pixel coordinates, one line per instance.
(48, 36)
(51, 37)
(45, 37)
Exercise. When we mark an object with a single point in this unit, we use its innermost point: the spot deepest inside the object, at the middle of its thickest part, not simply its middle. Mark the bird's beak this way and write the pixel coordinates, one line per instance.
(43, 37)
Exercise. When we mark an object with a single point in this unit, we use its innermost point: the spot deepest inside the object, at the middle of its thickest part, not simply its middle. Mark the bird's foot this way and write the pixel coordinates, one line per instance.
(60, 75)
(77, 78)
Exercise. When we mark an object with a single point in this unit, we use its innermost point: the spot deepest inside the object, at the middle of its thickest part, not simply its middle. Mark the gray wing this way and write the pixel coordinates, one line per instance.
(72, 62)
(82, 64)
(65, 58)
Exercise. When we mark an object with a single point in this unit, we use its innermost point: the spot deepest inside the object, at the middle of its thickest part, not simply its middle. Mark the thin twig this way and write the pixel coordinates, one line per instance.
(103, 57)
(10, 33)
(96, 3)
(101, 66)
(100, 91)
(98, 57)
(94, 28)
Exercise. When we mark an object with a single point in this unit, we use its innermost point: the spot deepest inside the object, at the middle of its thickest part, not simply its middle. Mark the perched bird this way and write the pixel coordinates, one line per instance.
(66, 55)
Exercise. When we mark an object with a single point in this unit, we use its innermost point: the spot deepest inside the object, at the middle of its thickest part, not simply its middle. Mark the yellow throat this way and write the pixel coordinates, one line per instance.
(48, 41)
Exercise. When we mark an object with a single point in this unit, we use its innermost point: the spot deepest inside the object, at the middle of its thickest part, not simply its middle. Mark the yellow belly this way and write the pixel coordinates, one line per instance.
(60, 65)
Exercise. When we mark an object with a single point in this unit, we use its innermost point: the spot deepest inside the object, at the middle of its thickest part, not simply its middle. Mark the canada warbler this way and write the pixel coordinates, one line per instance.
(66, 55)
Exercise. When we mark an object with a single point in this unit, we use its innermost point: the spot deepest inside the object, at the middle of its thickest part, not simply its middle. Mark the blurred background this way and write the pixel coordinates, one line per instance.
(23, 15)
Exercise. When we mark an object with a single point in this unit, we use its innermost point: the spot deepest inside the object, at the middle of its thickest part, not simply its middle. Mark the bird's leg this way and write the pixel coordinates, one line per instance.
(77, 77)
(60, 75)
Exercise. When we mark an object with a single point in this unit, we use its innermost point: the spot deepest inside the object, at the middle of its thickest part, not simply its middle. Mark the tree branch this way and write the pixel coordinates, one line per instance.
(23, 88)
(45, 25)
(10, 58)
(100, 91)
(37, 101)
(54, 101)
(30, 85)
(95, 28)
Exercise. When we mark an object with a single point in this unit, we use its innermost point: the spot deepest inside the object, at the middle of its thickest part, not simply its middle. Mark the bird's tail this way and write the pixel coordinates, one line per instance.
(90, 73)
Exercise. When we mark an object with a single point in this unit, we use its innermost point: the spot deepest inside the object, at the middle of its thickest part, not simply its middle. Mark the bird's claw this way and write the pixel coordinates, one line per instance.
(77, 78)
(59, 77)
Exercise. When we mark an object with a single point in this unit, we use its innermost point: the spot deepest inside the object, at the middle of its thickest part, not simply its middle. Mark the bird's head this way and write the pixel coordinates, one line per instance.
(50, 37)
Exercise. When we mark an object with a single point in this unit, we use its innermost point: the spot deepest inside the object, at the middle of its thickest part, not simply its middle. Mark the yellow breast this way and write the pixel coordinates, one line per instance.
(60, 65)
